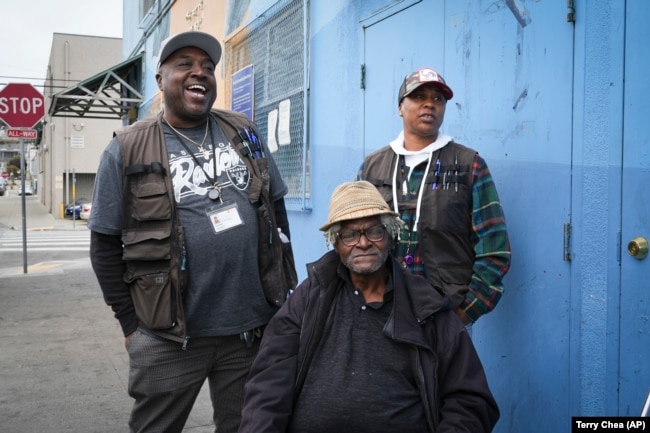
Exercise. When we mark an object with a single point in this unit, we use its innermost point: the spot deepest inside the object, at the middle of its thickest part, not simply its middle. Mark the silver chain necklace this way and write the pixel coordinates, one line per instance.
(201, 144)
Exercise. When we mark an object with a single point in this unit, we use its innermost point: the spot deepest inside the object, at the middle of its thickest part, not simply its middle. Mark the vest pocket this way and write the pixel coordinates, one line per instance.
(154, 300)
(275, 260)
(454, 280)
(146, 244)
(150, 202)
(155, 277)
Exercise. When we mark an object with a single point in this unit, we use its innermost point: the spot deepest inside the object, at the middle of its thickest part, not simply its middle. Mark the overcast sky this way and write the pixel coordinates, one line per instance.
(28, 25)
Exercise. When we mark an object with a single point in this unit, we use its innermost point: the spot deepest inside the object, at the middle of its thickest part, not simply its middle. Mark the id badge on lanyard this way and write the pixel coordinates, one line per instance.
(224, 216)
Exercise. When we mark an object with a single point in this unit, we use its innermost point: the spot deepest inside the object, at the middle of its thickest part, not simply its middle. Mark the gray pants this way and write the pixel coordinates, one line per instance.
(165, 380)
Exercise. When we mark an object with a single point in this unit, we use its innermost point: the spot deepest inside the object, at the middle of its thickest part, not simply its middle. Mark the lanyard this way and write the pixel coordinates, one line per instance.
(400, 162)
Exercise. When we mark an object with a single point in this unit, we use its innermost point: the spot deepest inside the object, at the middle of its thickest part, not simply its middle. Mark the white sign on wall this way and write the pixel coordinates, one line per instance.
(77, 142)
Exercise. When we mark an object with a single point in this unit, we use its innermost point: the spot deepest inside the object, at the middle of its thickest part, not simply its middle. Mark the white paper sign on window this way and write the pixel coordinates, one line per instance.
(272, 122)
(284, 123)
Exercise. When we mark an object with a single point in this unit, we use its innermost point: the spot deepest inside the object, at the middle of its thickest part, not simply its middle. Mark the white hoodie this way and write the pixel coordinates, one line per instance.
(414, 157)
(411, 159)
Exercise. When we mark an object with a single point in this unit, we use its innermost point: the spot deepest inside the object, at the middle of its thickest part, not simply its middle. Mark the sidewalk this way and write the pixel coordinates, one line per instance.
(37, 217)
(63, 365)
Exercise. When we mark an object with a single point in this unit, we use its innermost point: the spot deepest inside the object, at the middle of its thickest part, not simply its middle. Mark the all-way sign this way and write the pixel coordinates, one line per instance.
(29, 134)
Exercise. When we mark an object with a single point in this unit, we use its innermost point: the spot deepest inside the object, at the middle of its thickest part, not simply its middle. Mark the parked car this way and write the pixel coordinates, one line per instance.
(28, 190)
(85, 211)
(3, 187)
(73, 210)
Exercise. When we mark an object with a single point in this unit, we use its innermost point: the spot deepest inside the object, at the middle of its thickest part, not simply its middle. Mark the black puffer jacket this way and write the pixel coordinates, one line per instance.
(452, 380)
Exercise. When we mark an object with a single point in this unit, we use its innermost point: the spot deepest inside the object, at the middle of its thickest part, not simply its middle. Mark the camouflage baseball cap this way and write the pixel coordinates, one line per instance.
(420, 77)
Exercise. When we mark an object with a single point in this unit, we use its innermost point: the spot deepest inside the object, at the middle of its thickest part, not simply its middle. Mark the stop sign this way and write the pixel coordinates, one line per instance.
(21, 105)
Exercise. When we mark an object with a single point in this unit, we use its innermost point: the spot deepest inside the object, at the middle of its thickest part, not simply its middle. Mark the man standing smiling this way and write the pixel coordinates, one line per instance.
(175, 243)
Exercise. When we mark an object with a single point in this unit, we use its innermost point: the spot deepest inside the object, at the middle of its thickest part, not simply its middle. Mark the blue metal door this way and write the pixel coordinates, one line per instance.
(509, 65)
(393, 47)
(634, 381)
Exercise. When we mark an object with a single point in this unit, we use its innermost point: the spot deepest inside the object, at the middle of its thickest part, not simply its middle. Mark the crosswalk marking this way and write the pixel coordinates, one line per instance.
(11, 241)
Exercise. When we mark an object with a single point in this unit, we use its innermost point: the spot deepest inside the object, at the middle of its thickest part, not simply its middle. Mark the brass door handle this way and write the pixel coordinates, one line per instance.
(638, 248)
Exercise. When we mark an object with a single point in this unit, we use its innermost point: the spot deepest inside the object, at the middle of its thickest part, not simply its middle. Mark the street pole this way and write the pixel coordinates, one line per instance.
(22, 199)
(74, 197)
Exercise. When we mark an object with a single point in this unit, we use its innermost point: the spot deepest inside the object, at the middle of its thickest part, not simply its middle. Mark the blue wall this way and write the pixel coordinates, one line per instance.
(512, 103)
(541, 99)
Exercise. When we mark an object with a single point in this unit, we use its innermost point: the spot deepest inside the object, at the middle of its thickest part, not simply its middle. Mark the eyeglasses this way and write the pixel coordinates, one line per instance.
(373, 234)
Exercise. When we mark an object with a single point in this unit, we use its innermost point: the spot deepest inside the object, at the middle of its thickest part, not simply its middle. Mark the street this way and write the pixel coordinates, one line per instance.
(47, 239)
(63, 366)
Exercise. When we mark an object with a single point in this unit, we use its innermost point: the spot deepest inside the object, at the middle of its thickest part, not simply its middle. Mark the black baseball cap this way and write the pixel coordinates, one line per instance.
(201, 40)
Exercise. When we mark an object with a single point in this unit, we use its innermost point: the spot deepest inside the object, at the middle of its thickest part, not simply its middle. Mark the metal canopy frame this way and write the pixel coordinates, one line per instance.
(108, 95)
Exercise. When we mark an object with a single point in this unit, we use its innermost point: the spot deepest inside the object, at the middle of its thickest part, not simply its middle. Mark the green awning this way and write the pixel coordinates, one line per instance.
(110, 94)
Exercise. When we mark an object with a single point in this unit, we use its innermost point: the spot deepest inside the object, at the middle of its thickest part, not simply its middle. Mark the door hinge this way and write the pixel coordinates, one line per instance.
(571, 14)
(363, 77)
(567, 242)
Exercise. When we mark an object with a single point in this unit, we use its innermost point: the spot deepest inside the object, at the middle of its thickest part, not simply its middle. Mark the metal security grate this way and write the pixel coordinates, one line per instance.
(273, 45)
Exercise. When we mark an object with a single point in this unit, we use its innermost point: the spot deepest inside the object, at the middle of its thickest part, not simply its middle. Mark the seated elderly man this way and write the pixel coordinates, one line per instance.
(364, 346)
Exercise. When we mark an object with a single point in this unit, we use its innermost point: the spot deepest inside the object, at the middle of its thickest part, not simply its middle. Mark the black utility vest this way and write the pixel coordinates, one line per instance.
(153, 238)
(445, 227)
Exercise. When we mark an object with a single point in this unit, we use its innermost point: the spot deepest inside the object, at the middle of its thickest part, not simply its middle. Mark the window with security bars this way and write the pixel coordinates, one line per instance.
(145, 6)
(273, 47)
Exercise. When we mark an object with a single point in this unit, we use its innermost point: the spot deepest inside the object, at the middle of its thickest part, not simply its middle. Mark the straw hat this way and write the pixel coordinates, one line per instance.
(353, 200)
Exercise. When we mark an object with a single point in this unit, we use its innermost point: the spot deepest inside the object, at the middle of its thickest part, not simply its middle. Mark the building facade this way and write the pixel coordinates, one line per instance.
(70, 147)
(551, 94)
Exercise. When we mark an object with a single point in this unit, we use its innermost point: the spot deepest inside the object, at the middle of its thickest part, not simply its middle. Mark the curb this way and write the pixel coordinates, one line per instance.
(33, 229)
